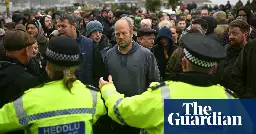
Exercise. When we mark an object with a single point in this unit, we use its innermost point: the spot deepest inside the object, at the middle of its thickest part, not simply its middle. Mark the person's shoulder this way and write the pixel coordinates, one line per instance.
(110, 50)
(42, 39)
(227, 46)
(251, 44)
(92, 88)
(85, 39)
(12, 68)
(157, 85)
(29, 79)
(79, 85)
(4, 64)
(144, 50)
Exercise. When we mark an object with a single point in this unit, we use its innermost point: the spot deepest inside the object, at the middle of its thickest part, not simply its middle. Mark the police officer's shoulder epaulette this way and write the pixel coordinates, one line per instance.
(231, 93)
(93, 88)
(157, 85)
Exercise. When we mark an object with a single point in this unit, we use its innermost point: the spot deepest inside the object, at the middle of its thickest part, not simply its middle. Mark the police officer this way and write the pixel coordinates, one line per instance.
(196, 82)
(64, 105)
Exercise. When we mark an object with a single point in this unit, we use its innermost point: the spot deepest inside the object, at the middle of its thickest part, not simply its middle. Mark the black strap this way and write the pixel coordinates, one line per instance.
(231, 93)
(158, 85)
(93, 88)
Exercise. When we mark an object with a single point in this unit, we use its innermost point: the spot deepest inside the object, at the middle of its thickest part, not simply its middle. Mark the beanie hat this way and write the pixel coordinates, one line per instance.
(17, 16)
(34, 22)
(38, 25)
(93, 26)
(201, 22)
(63, 51)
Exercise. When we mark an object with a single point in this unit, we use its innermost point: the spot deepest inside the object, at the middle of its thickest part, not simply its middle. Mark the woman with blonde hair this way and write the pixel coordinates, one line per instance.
(63, 105)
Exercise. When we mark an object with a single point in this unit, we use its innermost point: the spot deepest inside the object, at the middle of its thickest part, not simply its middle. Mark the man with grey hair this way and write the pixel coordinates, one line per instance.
(132, 66)
(165, 23)
(146, 23)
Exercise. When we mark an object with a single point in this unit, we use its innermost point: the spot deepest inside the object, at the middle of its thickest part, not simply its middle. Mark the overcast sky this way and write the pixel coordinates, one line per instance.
(233, 2)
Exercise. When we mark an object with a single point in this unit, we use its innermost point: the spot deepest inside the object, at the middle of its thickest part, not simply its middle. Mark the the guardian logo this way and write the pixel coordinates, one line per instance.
(202, 115)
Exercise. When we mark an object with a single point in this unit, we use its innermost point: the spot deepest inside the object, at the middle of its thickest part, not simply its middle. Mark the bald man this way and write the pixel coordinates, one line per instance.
(132, 66)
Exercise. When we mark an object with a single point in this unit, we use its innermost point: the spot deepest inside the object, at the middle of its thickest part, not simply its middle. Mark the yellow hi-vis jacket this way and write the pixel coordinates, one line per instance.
(146, 111)
(53, 109)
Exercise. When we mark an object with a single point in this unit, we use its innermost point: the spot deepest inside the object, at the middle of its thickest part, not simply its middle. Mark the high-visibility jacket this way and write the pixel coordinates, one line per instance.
(146, 111)
(52, 108)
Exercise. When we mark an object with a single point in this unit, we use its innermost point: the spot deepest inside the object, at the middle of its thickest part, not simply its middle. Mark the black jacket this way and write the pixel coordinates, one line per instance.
(14, 80)
(98, 65)
(243, 75)
(104, 42)
(226, 65)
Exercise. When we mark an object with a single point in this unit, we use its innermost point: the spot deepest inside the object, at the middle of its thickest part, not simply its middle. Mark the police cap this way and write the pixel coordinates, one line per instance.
(202, 50)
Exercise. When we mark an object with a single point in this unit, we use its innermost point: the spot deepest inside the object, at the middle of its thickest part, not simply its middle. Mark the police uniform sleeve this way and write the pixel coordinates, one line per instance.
(98, 104)
(8, 119)
(100, 108)
(141, 111)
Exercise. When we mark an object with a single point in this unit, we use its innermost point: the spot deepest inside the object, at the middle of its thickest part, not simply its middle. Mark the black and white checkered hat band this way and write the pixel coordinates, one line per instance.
(197, 61)
(61, 57)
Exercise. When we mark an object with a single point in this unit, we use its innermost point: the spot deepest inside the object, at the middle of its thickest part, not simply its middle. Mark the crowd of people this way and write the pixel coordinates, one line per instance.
(72, 68)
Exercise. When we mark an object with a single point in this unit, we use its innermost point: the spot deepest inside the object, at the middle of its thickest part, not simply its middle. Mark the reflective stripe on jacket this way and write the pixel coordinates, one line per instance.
(146, 111)
(53, 108)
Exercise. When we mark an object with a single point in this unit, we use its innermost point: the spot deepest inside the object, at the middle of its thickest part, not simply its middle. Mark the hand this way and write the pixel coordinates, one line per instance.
(102, 82)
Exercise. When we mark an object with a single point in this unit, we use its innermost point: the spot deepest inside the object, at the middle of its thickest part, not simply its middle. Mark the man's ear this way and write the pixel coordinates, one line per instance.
(246, 34)
(73, 26)
(25, 51)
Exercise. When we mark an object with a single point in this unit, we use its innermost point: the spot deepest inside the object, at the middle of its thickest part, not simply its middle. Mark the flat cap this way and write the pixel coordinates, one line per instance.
(146, 31)
(202, 50)
(15, 40)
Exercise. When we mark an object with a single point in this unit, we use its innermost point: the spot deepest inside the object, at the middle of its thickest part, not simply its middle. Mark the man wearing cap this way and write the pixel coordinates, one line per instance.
(14, 76)
(196, 82)
(146, 37)
(62, 105)
(94, 31)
